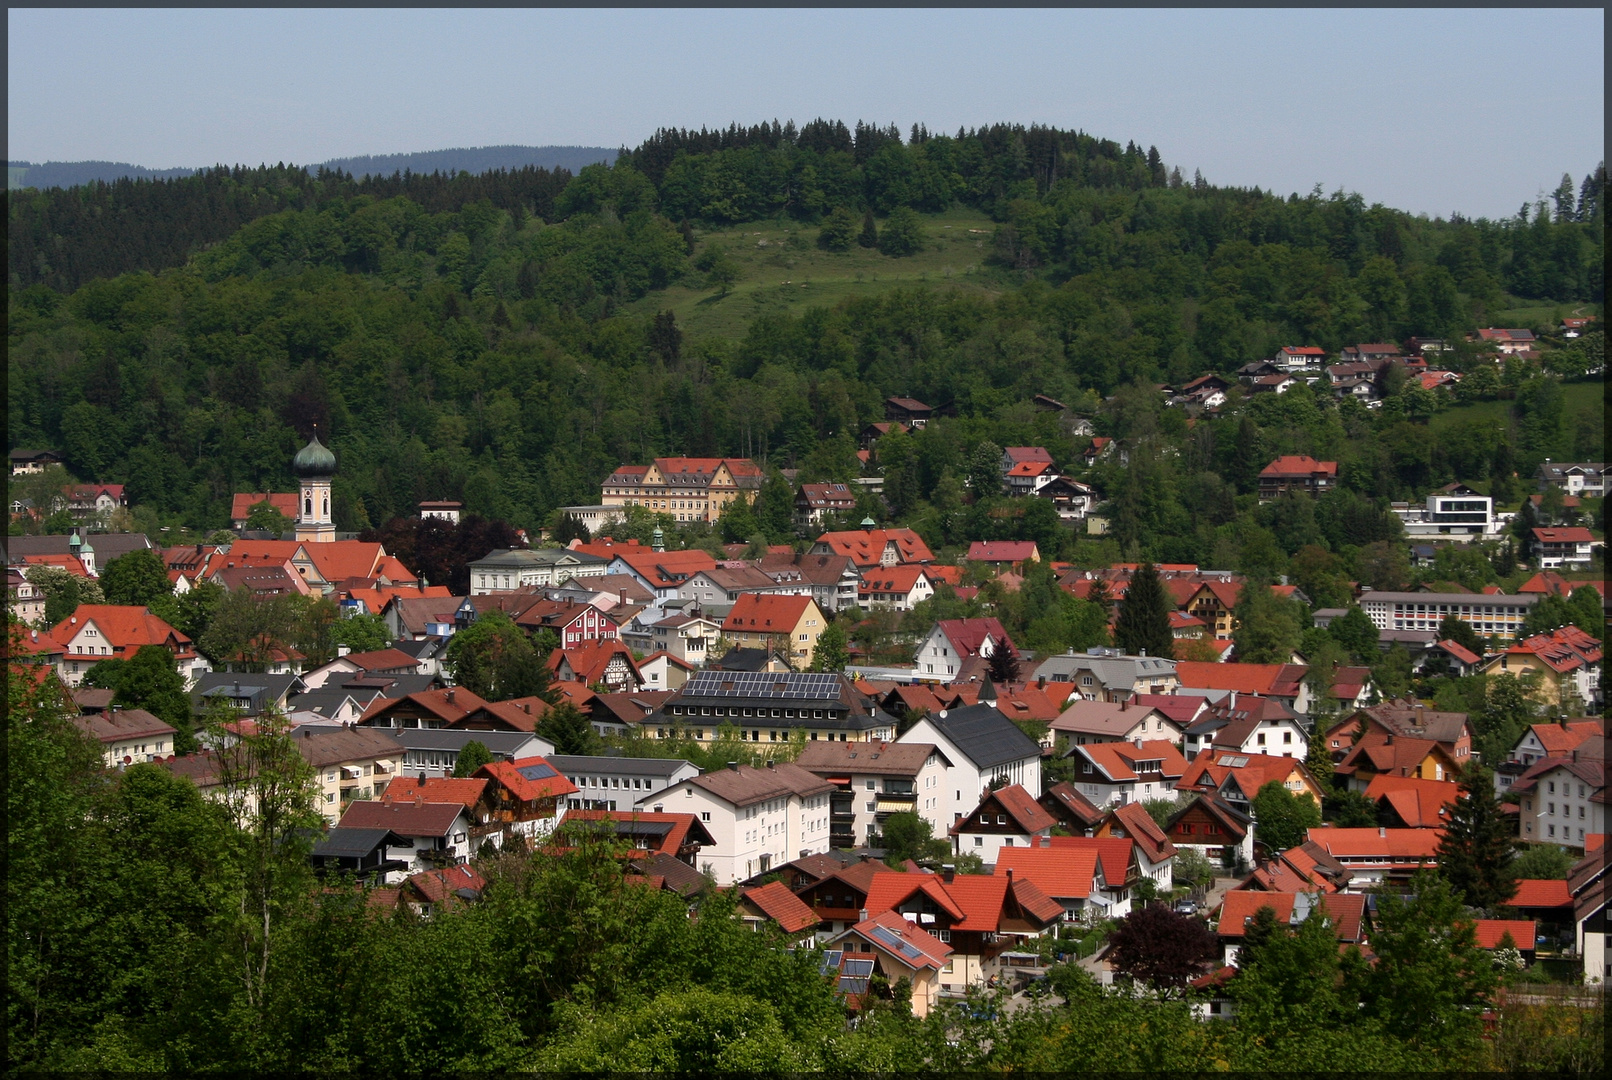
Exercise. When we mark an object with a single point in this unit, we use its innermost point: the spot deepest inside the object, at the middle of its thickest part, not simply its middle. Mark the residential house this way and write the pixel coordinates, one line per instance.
(758, 818)
(723, 584)
(573, 623)
(1555, 740)
(1117, 773)
(415, 618)
(128, 736)
(1235, 778)
(1376, 855)
(769, 707)
(952, 643)
(606, 782)
(1029, 477)
(874, 780)
(1574, 477)
(982, 746)
(1305, 868)
(523, 568)
(1297, 473)
(435, 751)
(1005, 817)
(1562, 800)
(691, 639)
(250, 695)
(25, 462)
(1004, 555)
(872, 433)
(869, 547)
(348, 764)
(1152, 852)
(1570, 547)
(1070, 808)
(1106, 674)
(907, 411)
(1284, 683)
(1204, 392)
(652, 834)
(1376, 353)
(814, 502)
(1300, 358)
(832, 580)
(324, 562)
(789, 624)
(606, 663)
(1406, 802)
(690, 489)
(96, 632)
(1072, 499)
(888, 944)
(773, 904)
(1453, 511)
(1073, 877)
(1213, 602)
(1588, 884)
(835, 890)
(435, 834)
(664, 672)
(1378, 752)
(424, 709)
(380, 663)
(1346, 912)
(981, 916)
(442, 889)
(900, 588)
(1279, 383)
(363, 853)
(241, 504)
(1508, 342)
(1214, 829)
(526, 797)
(1247, 724)
(471, 792)
(1567, 662)
(1091, 721)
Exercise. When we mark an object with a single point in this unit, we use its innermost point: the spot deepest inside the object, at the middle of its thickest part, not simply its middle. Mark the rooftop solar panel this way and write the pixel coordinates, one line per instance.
(539, 771)
(762, 684)
(857, 969)
(853, 986)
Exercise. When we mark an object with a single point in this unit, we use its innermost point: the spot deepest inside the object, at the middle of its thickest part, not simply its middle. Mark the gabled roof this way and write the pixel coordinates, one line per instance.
(591, 660)
(123, 626)
(1115, 854)
(1419, 803)
(1001, 550)
(984, 735)
(865, 547)
(1491, 931)
(861, 758)
(404, 818)
(745, 785)
(651, 832)
(118, 725)
(890, 888)
(384, 660)
(966, 636)
(1063, 873)
(1120, 760)
(1345, 910)
(1392, 845)
(1299, 465)
(466, 791)
(447, 885)
(1020, 806)
(1112, 719)
(766, 614)
(323, 746)
(1560, 739)
(1572, 535)
(528, 778)
(775, 901)
(910, 943)
(901, 578)
(448, 704)
(1269, 680)
(1181, 708)
(1538, 893)
(1132, 821)
(1072, 804)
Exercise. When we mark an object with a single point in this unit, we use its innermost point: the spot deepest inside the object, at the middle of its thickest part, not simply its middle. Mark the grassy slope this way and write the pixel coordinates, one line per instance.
(778, 277)
(1580, 397)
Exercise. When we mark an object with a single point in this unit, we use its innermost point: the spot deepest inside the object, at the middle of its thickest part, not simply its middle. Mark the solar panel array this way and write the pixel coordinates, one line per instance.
(539, 771)
(893, 941)
(801, 686)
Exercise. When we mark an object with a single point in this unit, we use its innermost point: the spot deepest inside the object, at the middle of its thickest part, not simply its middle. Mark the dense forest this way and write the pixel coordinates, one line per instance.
(495, 338)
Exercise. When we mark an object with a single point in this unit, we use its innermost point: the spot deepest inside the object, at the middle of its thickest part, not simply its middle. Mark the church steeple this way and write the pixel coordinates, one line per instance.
(314, 466)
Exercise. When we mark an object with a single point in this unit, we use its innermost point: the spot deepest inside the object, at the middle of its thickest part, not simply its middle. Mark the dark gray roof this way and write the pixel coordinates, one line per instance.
(325, 702)
(572, 763)
(680, 876)
(261, 689)
(354, 843)
(503, 744)
(396, 685)
(424, 649)
(984, 735)
(108, 546)
(737, 659)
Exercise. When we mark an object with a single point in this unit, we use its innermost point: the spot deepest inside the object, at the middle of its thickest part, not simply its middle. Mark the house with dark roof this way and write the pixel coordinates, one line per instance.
(1248, 724)
(435, 751)
(909, 412)
(1216, 830)
(679, 836)
(248, 694)
(1006, 817)
(839, 897)
(610, 782)
(1070, 808)
(982, 746)
(425, 709)
(362, 853)
(434, 834)
(874, 780)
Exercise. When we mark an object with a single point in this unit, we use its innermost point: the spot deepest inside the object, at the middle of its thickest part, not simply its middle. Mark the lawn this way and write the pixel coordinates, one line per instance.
(1530, 313)
(782, 269)
(1581, 397)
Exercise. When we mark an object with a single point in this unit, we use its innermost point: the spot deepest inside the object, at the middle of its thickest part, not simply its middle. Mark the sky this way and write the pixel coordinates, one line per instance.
(1434, 111)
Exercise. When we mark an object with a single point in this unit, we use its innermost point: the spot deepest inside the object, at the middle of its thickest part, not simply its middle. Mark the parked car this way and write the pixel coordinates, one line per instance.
(1186, 907)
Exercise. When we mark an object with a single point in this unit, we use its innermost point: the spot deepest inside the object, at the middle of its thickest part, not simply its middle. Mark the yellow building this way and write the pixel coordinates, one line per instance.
(690, 489)
(789, 625)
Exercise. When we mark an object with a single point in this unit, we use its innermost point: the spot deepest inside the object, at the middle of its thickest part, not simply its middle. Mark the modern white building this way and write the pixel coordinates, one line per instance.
(618, 783)
(1456, 511)
(1487, 613)
(507, 569)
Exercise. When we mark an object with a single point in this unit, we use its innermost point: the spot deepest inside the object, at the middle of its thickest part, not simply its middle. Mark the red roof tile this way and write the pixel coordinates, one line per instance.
(1537, 893)
(782, 906)
(1490, 931)
(528, 779)
(1062, 873)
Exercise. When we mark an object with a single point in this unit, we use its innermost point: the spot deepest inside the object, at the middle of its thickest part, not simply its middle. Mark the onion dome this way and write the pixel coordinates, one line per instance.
(314, 460)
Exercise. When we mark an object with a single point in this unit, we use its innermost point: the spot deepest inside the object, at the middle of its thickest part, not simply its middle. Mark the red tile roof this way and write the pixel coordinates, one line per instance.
(766, 614)
(782, 906)
(1001, 550)
(126, 628)
(442, 886)
(1270, 680)
(967, 635)
(1490, 931)
(1460, 652)
(682, 825)
(448, 705)
(1537, 893)
(1134, 822)
(403, 818)
(1114, 854)
(932, 951)
(1390, 845)
(241, 503)
(1558, 740)
(1419, 803)
(1299, 465)
(1119, 759)
(526, 782)
(865, 547)
(384, 660)
(1576, 535)
(467, 791)
(1062, 873)
(890, 888)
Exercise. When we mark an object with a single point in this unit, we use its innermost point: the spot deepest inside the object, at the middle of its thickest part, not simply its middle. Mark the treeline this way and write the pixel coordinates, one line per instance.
(65, 237)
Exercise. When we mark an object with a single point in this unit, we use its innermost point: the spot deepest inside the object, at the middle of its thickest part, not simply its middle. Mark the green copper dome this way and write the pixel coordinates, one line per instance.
(314, 460)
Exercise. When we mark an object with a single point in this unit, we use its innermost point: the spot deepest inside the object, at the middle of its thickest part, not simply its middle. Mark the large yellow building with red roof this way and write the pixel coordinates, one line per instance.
(690, 489)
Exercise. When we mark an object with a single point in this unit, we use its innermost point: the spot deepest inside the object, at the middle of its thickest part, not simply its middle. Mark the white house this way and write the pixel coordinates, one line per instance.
(982, 745)
(434, 834)
(604, 782)
(952, 642)
(900, 588)
(1118, 773)
(759, 818)
(875, 780)
(1007, 817)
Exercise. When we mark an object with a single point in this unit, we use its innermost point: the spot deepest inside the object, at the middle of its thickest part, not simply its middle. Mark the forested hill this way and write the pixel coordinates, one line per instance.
(510, 338)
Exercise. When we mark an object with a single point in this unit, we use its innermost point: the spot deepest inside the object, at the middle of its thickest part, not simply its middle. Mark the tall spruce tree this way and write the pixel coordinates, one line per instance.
(1476, 852)
(1144, 616)
(870, 232)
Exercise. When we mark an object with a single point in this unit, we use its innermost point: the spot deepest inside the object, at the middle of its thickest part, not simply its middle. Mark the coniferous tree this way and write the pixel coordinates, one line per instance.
(1004, 663)
(870, 231)
(1144, 616)
(1476, 852)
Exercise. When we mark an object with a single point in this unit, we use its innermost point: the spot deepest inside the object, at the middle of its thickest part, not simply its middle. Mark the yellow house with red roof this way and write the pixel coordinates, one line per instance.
(789, 625)
(690, 489)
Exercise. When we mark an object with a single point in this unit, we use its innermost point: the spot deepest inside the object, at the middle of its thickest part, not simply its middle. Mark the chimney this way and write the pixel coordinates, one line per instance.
(771, 763)
(1010, 877)
(1041, 683)
(734, 765)
(1382, 833)
(947, 873)
(421, 781)
(450, 695)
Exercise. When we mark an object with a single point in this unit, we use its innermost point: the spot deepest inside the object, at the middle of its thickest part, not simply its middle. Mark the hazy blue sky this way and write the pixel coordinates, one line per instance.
(1430, 111)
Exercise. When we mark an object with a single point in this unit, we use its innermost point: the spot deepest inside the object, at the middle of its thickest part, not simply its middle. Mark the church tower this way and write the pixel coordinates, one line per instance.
(314, 466)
